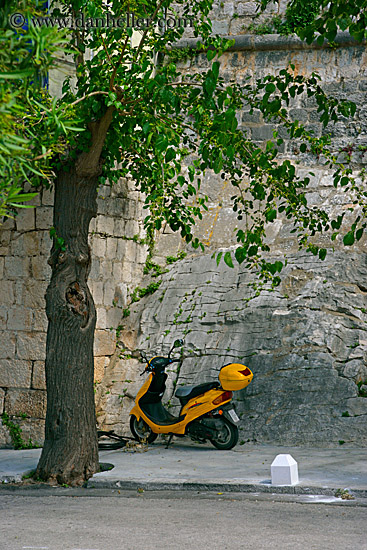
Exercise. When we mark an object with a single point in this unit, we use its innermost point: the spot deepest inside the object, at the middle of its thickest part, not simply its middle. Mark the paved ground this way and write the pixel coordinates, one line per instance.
(176, 521)
(200, 467)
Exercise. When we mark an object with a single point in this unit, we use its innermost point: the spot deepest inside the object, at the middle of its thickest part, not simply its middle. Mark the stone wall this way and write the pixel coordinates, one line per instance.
(305, 342)
(118, 258)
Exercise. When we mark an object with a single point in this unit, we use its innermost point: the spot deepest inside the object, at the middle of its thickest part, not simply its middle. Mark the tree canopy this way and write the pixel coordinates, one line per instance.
(33, 127)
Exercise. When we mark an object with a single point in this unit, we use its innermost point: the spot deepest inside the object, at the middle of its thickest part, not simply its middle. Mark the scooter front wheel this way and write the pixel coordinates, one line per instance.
(141, 431)
(226, 437)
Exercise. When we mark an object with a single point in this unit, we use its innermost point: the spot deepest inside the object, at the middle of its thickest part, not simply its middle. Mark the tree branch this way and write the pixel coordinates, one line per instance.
(88, 164)
(147, 28)
(112, 79)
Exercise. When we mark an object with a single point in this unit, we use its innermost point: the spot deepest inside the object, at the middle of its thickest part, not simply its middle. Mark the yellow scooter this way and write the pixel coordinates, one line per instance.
(206, 412)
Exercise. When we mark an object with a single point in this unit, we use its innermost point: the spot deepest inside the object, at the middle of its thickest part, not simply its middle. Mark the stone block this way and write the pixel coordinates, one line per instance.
(47, 198)
(246, 8)
(20, 318)
(100, 363)
(25, 220)
(17, 247)
(252, 118)
(120, 296)
(3, 316)
(141, 254)
(92, 226)
(7, 296)
(1, 267)
(15, 373)
(126, 250)
(2, 399)
(101, 318)
(111, 248)
(357, 406)
(34, 294)
(38, 376)
(113, 317)
(7, 345)
(40, 268)
(32, 243)
(240, 25)
(31, 346)
(40, 321)
(44, 217)
(284, 470)
(108, 293)
(220, 27)
(119, 227)
(5, 439)
(95, 270)
(98, 246)
(105, 225)
(4, 239)
(33, 430)
(46, 243)
(16, 268)
(132, 228)
(96, 289)
(262, 133)
(29, 402)
(117, 271)
(104, 342)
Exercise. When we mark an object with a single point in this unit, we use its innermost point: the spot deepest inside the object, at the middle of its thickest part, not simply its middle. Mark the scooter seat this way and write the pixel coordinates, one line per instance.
(188, 392)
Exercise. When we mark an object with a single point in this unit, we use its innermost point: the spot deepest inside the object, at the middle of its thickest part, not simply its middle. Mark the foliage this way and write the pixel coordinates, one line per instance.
(297, 16)
(329, 17)
(15, 432)
(33, 127)
(169, 128)
(172, 259)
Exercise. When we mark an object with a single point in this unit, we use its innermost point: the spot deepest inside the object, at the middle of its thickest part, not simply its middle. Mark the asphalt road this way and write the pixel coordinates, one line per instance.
(39, 520)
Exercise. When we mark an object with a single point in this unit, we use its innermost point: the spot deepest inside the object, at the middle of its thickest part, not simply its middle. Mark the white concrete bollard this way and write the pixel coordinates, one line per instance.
(284, 470)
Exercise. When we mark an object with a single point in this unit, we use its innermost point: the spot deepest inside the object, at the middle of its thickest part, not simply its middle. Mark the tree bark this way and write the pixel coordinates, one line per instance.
(70, 452)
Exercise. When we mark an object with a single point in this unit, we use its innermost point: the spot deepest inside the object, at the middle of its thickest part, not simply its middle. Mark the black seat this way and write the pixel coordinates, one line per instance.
(185, 393)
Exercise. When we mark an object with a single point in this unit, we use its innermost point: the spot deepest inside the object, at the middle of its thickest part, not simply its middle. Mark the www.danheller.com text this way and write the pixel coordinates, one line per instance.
(129, 21)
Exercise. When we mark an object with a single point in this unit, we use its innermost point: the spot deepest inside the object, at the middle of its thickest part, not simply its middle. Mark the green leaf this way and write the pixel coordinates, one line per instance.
(215, 68)
(211, 54)
(271, 215)
(322, 253)
(228, 259)
(171, 154)
(218, 258)
(348, 239)
(240, 254)
(359, 233)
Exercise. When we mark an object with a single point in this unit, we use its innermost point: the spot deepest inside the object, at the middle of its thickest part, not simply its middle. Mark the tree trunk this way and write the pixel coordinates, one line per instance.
(70, 452)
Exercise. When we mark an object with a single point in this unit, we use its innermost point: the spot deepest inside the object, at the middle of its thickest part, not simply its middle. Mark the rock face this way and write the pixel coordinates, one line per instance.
(306, 344)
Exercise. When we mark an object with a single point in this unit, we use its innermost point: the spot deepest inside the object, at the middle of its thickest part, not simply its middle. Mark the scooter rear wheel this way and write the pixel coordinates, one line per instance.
(141, 431)
(226, 437)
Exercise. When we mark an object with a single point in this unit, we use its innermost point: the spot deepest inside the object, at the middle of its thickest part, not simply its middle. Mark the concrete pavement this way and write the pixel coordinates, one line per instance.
(189, 466)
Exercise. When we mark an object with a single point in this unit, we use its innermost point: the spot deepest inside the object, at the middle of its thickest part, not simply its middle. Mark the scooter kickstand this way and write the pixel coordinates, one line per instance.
(169, 441)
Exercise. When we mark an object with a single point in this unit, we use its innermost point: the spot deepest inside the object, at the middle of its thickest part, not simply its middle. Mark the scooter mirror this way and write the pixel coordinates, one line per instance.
(178, 343)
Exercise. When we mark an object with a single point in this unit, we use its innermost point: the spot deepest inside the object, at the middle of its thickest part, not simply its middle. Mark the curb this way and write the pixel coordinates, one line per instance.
(218, 486)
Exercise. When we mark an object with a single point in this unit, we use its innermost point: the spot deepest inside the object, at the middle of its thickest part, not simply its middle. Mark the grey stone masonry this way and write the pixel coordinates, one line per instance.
(118, 251)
